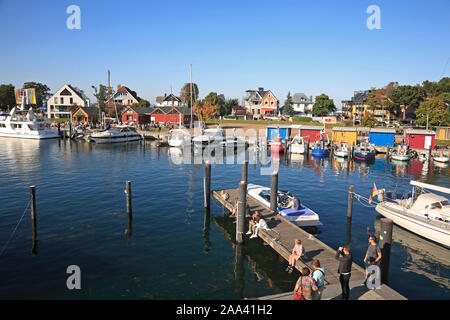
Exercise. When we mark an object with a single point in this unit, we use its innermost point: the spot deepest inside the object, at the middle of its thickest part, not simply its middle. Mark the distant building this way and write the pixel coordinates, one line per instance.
(121, 99)
(357, 108)
(171, 115)
(86, 115)
(65, 100)
(169, 100)
(136, 115)
(302, 105)
(261, 103)
(238, 111)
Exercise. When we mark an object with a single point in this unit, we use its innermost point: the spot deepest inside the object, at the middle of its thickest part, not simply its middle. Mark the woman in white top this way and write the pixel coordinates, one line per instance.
(260, 224)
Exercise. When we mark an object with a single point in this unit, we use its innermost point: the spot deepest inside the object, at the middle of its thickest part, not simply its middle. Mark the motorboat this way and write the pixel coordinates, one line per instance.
(442, 157)
(420, 211)
(277, 145)
(343, 150)
(401, 153)
(321, 147)
(302, 217)
(364, 151)
(115, 135)
(208, 136)
(21, 123)
(299, 145)
(179, 137)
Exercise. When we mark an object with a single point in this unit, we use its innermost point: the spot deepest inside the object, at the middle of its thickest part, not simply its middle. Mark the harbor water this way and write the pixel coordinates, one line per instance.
(173, 252)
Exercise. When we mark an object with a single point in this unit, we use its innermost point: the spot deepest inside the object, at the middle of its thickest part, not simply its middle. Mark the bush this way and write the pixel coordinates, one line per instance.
(302, 119)
(229, 117)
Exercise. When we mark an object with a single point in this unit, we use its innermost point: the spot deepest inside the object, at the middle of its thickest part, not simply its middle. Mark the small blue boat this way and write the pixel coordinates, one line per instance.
(364, 151)
(321, 147)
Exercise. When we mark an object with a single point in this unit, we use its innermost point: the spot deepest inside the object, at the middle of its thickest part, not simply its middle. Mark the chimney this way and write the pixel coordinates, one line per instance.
(261, 89)
(118, 87)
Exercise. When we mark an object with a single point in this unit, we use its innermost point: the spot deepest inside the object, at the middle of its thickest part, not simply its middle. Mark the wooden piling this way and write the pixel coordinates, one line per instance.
(207, 186)
(385, 244)
(350, 202)
(129, 205)
(274, 191)
(240, 215)
(245, 171)
(33, 219)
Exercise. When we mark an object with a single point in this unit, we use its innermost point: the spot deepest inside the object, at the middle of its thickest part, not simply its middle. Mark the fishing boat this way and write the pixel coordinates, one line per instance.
(442, 157)
(401, 153)
(321, 147)
(299, 145)
(420, 211)
(115, 135)
(277, 145)
(208, 136)
(364, 151)
(179, 137)
(342, 151)
(21, 123)
(302, 217)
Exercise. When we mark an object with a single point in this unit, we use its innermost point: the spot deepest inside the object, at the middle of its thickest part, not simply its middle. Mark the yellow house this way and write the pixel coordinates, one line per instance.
(357, 108)
(443, 133)
(345, 134)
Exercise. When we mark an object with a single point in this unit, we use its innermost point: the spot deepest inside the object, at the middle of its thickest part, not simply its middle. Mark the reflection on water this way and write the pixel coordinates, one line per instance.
(175, 252)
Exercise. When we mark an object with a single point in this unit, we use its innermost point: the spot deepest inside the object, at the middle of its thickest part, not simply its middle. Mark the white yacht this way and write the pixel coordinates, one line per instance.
(424, 213)
(302, 217)
(211, 135)
(343, 150)
(179, 137)
(20, 123)
(117, 134)
(299, 145)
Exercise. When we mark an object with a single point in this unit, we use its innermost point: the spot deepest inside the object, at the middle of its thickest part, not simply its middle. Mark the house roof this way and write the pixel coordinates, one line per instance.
(141, 110)
(124, 89)
(300, 97)
(418, 131)
(353, 129)
(381, 130)
(90, 111)
(183, 110)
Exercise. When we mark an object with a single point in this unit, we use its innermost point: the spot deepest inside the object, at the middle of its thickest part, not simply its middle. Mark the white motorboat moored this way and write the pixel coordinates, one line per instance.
(442, 157)
(302, 217)
(115, 135)
(401, 153)
(299, 145)
(210, 135)
(179, 137)
(343, 150)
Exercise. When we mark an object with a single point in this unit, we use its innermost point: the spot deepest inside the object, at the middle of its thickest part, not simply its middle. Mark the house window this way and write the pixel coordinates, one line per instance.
(61, 100)
(271, 103)
(130, 118)
(56, 100)
(71, 100)
(266, 103)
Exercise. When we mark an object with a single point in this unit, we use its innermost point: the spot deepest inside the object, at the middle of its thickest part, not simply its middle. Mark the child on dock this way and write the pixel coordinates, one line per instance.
(297, 253)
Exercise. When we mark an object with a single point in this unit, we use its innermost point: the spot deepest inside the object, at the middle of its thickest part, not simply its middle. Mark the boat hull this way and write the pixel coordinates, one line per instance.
(401, 157)
(115, 139)
(50, 135)
(417, 226)
(320, 152)
(364, 156)
(441, 159)
(341, 154)
(299, 149)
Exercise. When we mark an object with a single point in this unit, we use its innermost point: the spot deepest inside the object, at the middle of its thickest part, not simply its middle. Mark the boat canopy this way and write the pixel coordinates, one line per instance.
(430, 186)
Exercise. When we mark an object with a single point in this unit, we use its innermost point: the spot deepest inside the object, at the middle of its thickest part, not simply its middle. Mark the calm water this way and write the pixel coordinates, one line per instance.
(173, 253)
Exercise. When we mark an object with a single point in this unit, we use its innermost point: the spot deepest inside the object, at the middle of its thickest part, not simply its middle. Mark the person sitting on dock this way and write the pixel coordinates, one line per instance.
(260, 223)
(252, 223)
(297, 252)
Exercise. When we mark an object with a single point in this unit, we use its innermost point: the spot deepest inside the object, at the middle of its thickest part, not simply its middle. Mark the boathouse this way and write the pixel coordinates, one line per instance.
(443, 133)
(86, 115)
(382, 137)
(311, 133)
(136, 115)
(345, 134)
(420, 139)
(272, 131)
(171, 115)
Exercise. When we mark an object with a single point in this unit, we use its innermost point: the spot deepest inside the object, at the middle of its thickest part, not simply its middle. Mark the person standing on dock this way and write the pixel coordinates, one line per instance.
(343, 254)
(305, 285)
(319, 277)
(373, 255)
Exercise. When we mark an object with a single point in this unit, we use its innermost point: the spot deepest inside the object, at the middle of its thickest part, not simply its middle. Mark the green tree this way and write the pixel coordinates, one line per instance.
(437, 113)
(369, 120)
(185, 94)
(7, 98)
(323, 106)
(144, 103)
(404, 97)
(101, 94)
(41, 90)
(214, 99)
(288, 108)
(229, 104)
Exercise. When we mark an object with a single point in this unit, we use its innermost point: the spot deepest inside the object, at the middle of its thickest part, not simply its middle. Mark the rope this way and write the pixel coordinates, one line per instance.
(14, 231)
(361, 199)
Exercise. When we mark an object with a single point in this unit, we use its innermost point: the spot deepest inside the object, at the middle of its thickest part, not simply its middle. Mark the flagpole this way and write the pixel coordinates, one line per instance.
(190, 67)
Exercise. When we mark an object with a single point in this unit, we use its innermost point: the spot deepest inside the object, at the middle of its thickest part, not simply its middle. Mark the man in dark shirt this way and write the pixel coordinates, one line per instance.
(345, 267)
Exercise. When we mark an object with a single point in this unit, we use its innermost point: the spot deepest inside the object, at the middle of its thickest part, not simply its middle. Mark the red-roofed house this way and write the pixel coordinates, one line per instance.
(122, 98)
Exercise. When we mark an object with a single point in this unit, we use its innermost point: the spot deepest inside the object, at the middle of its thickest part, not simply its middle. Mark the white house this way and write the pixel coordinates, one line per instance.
(58, 106)
(302, 105)
(169, 100)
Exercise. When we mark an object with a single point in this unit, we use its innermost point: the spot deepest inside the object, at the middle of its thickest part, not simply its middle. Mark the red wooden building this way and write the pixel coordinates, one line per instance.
(136, 115)
(173, 115)
(311, 133)
(420, 139)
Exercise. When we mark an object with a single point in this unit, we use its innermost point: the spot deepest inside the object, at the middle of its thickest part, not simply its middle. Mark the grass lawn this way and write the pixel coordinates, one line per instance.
(442, 142)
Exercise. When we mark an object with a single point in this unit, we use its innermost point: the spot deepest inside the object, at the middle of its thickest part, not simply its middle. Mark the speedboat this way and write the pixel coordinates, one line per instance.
(277, 145)
(342, 151)
(179, 137)
(299, 145)
(401, 153)
(117, 134)
(441, 157)
(421, 212)
(208, 136)
(364, 151)
(20, 123)
(302, 217)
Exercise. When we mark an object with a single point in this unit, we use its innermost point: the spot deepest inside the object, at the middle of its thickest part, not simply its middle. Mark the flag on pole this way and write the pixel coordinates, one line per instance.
(17, 95)
(374, 193)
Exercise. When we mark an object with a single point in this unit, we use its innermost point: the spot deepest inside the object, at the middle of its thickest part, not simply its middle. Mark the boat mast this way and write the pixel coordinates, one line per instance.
(190, 67)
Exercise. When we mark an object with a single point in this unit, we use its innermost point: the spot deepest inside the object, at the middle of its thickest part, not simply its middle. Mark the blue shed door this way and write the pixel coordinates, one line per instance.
(275, 132)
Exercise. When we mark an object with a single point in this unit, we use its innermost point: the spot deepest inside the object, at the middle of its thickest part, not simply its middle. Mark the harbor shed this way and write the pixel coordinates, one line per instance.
(137, 115)
(420, 139)
(382, 137)
(86, 115)
(272, 131)
(443, 133)
(311, 133)
(345, 134)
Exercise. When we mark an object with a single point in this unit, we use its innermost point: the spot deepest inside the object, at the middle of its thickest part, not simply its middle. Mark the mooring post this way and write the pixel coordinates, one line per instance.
(33, 218)
(385, 246)
(274, 191)
(129, 208)
(240, 216)
(350, 202)
(239, 271)
(207, 185)
(245, 171)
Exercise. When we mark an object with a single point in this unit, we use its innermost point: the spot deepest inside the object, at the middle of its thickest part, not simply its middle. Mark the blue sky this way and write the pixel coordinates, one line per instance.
(295, 45)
